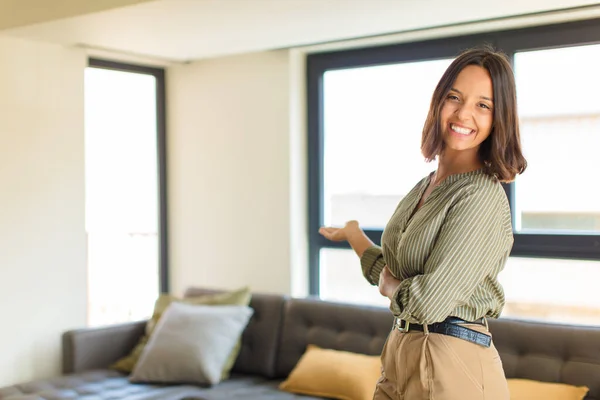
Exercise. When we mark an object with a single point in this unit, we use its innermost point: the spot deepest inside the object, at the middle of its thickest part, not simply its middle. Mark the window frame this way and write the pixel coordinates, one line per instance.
(585, 32)
(161, 136)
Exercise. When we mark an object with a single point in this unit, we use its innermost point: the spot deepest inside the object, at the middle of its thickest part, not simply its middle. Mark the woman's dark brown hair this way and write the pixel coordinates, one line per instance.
(501, 151)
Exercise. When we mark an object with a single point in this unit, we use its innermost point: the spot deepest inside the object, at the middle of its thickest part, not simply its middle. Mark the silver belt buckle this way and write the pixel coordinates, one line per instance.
(398, 325)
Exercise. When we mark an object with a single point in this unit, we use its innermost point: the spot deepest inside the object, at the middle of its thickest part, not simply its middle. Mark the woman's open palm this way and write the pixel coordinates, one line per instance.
(339, 234)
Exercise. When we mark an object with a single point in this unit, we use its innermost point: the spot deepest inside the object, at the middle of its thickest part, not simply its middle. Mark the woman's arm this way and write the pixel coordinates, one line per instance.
(358, 240)
(372, 264)
(388, 283)
(370, 255)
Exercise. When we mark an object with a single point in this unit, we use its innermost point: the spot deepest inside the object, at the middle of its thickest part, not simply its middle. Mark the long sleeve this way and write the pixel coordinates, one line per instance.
(372, 264)
(473, 243)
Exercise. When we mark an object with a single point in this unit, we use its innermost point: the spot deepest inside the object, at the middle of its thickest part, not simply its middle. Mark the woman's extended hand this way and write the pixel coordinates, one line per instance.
(340, 234)
(388, 283)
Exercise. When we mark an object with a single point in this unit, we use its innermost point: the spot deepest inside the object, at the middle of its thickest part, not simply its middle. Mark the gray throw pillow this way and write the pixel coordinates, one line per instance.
(190, 344)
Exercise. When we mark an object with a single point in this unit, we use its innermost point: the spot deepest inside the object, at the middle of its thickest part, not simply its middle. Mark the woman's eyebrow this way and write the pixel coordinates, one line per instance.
(481, 97)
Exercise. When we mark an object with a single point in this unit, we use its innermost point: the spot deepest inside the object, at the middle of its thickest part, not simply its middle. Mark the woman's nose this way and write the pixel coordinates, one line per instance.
(464, 112)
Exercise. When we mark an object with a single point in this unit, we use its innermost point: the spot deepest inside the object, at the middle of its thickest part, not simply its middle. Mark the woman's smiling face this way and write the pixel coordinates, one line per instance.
(467, 114)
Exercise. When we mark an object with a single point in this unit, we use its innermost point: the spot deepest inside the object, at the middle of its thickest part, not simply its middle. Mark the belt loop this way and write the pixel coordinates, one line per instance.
(486, 323)
(426, 329)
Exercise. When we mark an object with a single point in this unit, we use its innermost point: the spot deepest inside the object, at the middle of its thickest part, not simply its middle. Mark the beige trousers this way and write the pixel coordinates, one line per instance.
(419, 366)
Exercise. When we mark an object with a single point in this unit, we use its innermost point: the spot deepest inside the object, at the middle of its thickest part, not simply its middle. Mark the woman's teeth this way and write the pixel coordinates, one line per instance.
(462, 131)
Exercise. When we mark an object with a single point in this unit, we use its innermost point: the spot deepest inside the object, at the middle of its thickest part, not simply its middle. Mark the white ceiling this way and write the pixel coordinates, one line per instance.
(184, 30)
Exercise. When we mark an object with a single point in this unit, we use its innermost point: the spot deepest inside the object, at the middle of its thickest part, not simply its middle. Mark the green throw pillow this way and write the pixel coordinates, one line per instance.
(240, 297)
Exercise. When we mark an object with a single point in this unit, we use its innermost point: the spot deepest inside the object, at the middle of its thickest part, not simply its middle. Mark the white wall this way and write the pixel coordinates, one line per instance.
(229, 173)
(42, 237)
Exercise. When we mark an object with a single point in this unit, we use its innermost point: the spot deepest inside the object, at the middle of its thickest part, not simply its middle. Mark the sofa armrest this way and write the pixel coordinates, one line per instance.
(97, 348)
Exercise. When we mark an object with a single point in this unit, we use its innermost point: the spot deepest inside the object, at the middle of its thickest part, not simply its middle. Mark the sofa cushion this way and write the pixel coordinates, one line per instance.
(334, 374)
(261, 337)
(191, 344)
(525, 389)
(249, 387)
(105, 385)
(97, 385)
(237, 297)
(357, 329)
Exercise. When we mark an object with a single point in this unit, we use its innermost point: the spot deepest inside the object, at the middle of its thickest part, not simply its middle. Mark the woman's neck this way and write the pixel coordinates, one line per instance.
(456, 162)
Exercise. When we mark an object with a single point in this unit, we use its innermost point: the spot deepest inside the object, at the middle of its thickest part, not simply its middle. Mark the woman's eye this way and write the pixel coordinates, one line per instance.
(452, 97)
(483, 105)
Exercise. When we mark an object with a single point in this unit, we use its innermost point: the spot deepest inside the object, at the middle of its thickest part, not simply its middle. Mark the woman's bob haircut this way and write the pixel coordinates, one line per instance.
(501, 151)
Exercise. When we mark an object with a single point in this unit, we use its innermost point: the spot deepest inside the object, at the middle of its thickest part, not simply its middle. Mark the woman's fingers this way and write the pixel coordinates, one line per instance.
(327, 232)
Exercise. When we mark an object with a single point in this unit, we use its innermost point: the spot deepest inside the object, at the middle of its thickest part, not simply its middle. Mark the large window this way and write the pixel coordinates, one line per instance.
(366, 131)
(125, 191)
(560, 120)
(366, 112)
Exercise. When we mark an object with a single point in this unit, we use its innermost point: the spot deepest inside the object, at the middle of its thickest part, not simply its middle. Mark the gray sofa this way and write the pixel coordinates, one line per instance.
(277, 336)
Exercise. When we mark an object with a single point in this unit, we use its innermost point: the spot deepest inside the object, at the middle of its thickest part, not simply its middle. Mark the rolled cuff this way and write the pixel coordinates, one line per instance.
(372, 264)
(400, 296)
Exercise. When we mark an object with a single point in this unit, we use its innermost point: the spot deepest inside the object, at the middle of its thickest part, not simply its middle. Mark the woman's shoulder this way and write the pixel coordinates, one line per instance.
(482, 194)
(483, 187)
(488, 183)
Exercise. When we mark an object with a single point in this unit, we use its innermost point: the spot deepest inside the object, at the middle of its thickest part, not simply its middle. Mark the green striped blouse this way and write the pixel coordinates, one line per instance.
(449, 254)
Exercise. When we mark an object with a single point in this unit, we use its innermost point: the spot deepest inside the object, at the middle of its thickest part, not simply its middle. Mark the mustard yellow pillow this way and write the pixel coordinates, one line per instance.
(334, 374)
(240, 297)
(524, 389)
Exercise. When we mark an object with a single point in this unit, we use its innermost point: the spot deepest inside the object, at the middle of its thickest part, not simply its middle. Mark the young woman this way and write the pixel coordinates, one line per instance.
(448, 239)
